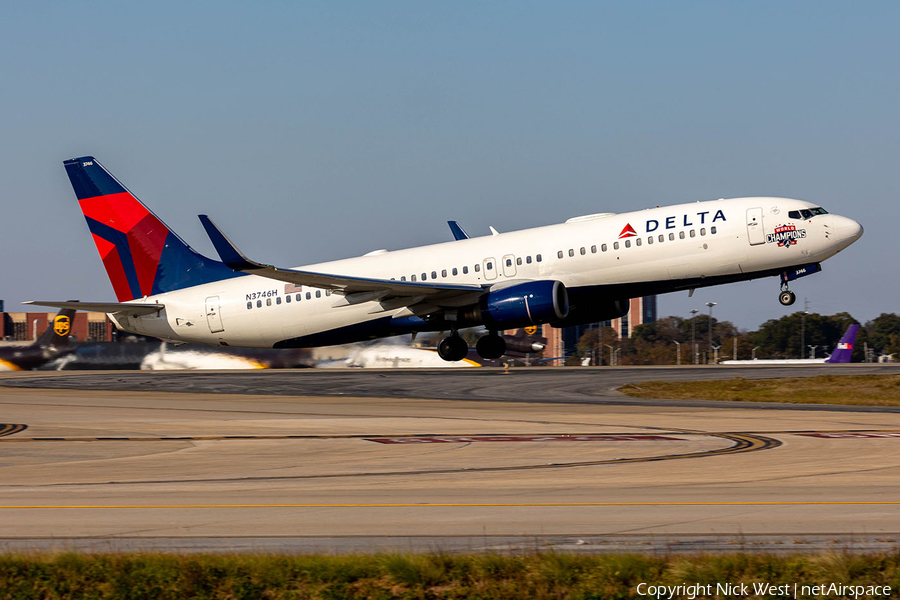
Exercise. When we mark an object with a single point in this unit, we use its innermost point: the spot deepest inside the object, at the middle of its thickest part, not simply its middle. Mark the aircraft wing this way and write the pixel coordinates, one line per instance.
(380, 288)
(107, 307)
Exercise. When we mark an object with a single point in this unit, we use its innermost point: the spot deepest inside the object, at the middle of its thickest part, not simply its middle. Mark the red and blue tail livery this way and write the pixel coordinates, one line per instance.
(141, 255)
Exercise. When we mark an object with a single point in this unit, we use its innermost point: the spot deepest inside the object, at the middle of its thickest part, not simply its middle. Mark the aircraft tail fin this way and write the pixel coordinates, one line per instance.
(57, 333)
(141, 255)
(844, 350)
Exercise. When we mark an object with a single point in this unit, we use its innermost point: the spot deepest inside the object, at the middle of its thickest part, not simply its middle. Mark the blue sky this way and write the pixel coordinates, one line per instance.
(316, 131)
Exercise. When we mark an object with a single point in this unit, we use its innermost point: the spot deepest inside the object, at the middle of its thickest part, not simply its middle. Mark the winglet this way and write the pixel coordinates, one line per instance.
(494, 231)
(228, 252)
(458, 233)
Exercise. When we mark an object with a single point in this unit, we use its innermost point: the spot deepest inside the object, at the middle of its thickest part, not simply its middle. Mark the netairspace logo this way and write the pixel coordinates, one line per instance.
(755, 589)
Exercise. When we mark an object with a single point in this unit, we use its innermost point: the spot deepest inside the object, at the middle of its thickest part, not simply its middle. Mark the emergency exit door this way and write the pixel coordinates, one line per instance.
(213, 317)
(755, 232)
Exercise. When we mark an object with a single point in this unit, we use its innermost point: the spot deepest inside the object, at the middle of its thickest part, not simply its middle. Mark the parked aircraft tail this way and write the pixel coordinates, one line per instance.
(57, 333)
(141, 255)
(844, 350)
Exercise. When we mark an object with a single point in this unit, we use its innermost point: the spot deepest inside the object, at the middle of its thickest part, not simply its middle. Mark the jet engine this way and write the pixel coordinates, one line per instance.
(520, 305)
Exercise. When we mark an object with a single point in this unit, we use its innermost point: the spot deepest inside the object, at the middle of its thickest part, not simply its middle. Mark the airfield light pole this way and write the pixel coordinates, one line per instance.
(803, 325)
(710, 305)
(677, 353)
(753, 352)
(812, 350)
(694, 312)
(610, 354)
(716, 354)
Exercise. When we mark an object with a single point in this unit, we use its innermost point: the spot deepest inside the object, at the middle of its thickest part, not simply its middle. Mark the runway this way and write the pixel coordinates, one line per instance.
(548, 459)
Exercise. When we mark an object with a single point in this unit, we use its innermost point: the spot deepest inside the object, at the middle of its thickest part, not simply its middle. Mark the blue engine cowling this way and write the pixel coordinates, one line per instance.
(530, 303)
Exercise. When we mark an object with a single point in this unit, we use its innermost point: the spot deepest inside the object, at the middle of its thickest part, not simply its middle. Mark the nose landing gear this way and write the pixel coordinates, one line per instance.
(787, 297)
(453, 348)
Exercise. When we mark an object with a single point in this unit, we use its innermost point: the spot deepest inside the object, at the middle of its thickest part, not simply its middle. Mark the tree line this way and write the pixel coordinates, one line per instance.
(798, 335)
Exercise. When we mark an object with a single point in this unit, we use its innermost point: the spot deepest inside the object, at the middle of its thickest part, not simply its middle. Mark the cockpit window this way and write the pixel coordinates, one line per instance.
(807, 213)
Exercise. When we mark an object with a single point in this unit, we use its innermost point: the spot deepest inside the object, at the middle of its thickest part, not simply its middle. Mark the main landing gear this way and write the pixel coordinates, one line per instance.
(453, 348)
(490, 346)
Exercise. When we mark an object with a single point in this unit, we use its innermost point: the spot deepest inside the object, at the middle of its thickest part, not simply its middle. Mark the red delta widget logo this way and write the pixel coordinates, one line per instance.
(628, 231)
(785, 236)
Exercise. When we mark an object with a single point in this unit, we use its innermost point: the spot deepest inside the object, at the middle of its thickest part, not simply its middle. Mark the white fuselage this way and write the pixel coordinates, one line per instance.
(738, 238)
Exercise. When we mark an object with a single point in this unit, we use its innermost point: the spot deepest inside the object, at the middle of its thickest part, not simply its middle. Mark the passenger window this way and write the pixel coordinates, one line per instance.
(528, 259)
(712, 230)
(259, 304)
(615, 245)
(650, 240)
(455, 272)
(249, 305)
(538, 257)
(277, 299)
(308, 295)
(403, 278)
(671, 237)
(703, 231)
(268, 302)
(594, 249)
(662, 238)
(433, 275)
(424, 276)
(571, 252)
(318, 293)
(559, 254)
(508, 262)
(287, 298)
(628, 243)
(603, 248)
(583, 251)
(693, 233)
(443, 272)
(477, 268)
(298, 297)
(465, 270)
(519, 260)
(489, 266)
(681, 235)
(412, 277)
(637, 241)
(327, 292)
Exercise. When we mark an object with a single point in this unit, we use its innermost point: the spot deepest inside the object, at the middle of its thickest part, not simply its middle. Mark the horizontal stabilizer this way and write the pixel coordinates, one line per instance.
(107, 307)
(344, 284)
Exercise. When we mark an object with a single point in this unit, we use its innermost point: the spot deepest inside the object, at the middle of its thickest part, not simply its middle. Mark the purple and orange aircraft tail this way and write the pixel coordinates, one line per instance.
(141, 255)
(844, 350)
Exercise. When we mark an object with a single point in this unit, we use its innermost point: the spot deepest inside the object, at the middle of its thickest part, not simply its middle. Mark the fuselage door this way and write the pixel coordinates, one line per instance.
(755, 232)
(490, 268)
(509, 266)
(213, 316)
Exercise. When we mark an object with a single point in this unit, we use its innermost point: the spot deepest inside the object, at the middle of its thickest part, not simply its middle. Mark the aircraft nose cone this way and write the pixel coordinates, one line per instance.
(847, 230)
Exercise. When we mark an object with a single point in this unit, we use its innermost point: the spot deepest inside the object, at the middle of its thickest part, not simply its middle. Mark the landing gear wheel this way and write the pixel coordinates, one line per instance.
(787, 297)
(452, 348)
(490, 346)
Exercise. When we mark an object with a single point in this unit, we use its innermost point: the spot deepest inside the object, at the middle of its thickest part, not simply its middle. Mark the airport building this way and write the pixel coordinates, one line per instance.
(28, 326)
(562, 342)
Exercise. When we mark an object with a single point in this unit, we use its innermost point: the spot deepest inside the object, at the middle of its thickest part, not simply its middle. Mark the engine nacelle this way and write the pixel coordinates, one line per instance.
(530, 303)
(593, 312)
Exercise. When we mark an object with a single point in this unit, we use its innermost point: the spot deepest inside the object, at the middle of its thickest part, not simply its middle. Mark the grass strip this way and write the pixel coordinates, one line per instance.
(864, 390)
(539, 575)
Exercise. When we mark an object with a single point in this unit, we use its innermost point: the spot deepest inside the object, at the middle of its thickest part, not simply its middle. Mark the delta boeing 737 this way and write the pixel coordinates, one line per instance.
(582, 271)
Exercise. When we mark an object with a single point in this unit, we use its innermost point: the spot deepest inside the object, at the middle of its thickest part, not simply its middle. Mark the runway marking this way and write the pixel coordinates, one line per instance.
(11, 428)
(457, 439)
(459, 505)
